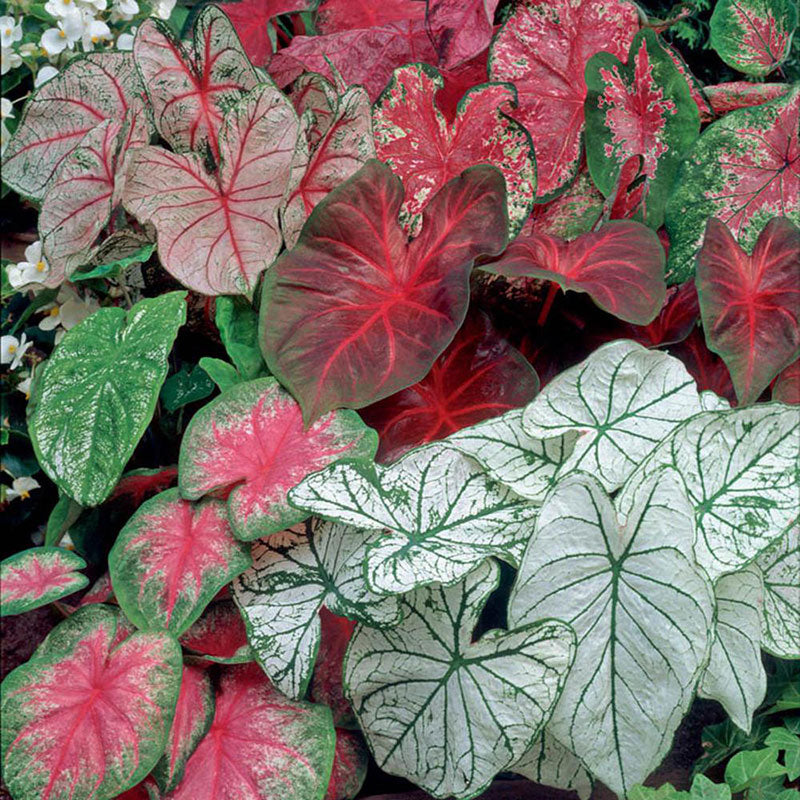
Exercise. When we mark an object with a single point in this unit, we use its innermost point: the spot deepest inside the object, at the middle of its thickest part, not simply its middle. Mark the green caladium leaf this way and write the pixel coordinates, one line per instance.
(237, 322)
(752, 766)
(96, 394)
(789, 742)
(440, 513)
(702, 789)
(641, 609)
(294, 574)
(780, 566)
(550, 763)
(444, 711)
(225, 375)
(622, 400)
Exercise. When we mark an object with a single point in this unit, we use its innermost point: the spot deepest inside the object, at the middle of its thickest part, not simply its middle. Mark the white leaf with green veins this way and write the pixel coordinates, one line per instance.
(550, 763)
(444, 711)
(623, 400)
(294, 574)
(642, 611)
(440, 513)
(780, 566)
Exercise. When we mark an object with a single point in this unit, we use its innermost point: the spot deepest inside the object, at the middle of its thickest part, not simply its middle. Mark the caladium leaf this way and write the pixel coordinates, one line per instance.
(101, 591)
(549, 763)
(444, 711)
(707, 368)
(339, 337)
(573, 212)
(326, 681)
(780, 566)
(219, 636)
(543, 49)
(90, 89)
(97, 392)
(441, 514)
(139, 485)
(749, 303)
(316, 94)
(350, 762)
(675, 321)
(413, 137)
(620, 266)
(237, 323)
(217, 233)
(171, 558)
(293, 575)
(786, 388)
(260, 746)
(251, 439)
(250, 18)
(37, 577)
(334, 16)
(640, 108)
(642, 611)
(84, 717)
(461, 28)
(726, 97)
(744, 169)
(753, 36)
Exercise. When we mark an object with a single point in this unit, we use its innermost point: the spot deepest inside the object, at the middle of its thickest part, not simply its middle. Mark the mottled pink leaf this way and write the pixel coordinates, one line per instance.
(316, 94)
(350, 762)
(138, 485)
(250, 18)
(786, 388)
(725, 97)
(326, 681)
(697, 90)
(630, 190)
(334, 16)
(461, 28)
(219, 635)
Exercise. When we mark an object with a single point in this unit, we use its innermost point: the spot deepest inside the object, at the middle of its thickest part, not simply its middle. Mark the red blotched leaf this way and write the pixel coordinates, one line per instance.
(252, 438)
(479, 376)
(217, 233)
(84, 718)
(573, 212)
(461, 28)
(750, 304)
(334, 16)
(786, 388)
(620, 266)
(543, 49)
(425, 151)
(37, 577)
(326, 680)
(250, 18)
(708, 369)
(219, 635)
(354, 313)
(261, 745)
(725, 97)
(350, 762)
(171, 558)
(138, 485)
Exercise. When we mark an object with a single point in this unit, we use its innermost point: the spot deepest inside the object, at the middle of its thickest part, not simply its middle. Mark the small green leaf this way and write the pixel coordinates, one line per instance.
(745, 768)
(221, 372)
(112, 269)
(187, 386)
(238, 327)
(784, 739)
(704, 789)
(65, 512)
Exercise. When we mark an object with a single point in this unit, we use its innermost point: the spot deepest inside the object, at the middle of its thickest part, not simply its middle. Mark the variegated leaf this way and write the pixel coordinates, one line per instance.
(219, 636)
(780, 566)
(350, 763)
(549, 763)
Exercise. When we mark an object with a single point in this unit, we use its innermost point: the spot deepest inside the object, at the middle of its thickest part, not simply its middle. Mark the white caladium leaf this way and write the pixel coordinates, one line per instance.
(444, 711)
(441, 515)
(294, 574)
(735, 675)
(623, 399)
(550, 763)
(642, 611)
(780, 566)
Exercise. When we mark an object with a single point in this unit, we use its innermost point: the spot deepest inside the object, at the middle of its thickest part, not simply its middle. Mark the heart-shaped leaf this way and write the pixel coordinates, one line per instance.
(326, 681)
(85, 717)
(293, 575)
(425, 150)
(444, 711)
(96, 394)
(462, 28)
(642, 610)
(251, 439)
(219, 635)
(354, 313)
(37, 577)
(334, 16)
(250, 18)
(780, 566)
(350, 762)
(786, 388)
(549, 763)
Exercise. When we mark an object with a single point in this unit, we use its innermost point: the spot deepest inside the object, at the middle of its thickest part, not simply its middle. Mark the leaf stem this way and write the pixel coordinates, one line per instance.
(548, 304)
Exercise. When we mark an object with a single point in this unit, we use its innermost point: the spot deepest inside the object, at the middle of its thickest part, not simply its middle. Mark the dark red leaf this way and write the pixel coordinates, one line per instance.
(219, 635)
(630, 191)
(335, 16)
(250, 18)
(675, 321)
(138, 485)
(350, 762)
(725, 97)
(461, 28)
(708, 369)
(326, 681)
(458, 81)
(786, 388)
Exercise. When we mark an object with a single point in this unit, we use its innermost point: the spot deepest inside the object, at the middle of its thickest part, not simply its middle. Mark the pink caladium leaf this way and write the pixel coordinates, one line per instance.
(786, 388)
(543, 49)
(461, 28)
(354, 313)
(426, 151)
(171, 558)
(707, 368)
(326, 680)
(219, 636)
(85, 717)
(478, 376)
(101, 591)
(138, 485)
(251, 439)
(350, 762)
(315, 94)
(261, 745)
(573, 212)
(250, 18)
(725, 97)
(629, 194)
(190, 93)
(218, 232)
(750, 304)
(90, 89)
(334, 16)
(37, 577)
(696, 89)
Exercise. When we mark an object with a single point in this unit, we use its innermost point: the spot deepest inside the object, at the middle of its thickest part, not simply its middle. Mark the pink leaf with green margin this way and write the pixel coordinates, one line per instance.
(100, 591)
(461, 28)
(217, 233)
(252, 438)
(37, 577)
(191, 92)
(326, 680)
(425, 151)
(84, 718)
(171, 558)
(573, 212)
(138, 485)
(317, 95)
(219, 635)
(350, 762)
(786, 388)
(354, 313)
(750, 304)
(542, 49)
(725, 97)
(261, 745)
(696, 89)
(251, 19)
(334, 16)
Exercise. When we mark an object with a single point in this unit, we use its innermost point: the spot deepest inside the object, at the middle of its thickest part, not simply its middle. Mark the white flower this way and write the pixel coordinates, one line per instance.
(24, 386)
(125, 40)
(97, 5)
(44, 75)
(21, 487)
(60, 8)
(70, 29)
(126, 9)
(94, 32)
(12, 350)
(163, 8)
(29, 50)
(6, 112)
(68, 310)
(33, 269)
(10, 31)
(9, 60)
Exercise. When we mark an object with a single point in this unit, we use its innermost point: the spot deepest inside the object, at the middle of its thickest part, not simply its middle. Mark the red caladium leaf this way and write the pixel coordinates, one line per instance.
(573, 212)
(631, 188)
(326, 681)
(458, 81)
(101, 591)
(461, 28)
(426, 151)
(542, 49)
(219, 635)
(37, 577)
(260, 746)
(750, 304)
(350, 762)
(171, 558)
(146, 790)
(317, 95)
(334, 16)
(217, 233)
(675, 321)
(85, 718)
(250, 18)
(138, 485)
(354, 313)
(708, 369)
(725, 97)
(786, 388)
(479, 376)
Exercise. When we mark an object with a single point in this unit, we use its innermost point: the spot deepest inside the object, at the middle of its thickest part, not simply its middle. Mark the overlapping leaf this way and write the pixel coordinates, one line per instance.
(786, 388)
(707, 368)
(219, 635)
(780, 566)
(726, 97)
(316, 94)
(573, 212)
(334, 16)
(461, 28)
(549, 763)
(326, 681)
(350, 763)
(250, 18)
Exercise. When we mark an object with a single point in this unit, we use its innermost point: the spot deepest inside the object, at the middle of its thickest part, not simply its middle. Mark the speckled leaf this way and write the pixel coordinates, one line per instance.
(444, 711)
(780, 566)
(573, 212)
(97, 392)
(85, 718)
(37, 577)
(350, 763)
(440, 513)
(334, 16)
(786, 388)
(461, 28)
(251, 19)
(251, 439)
(642, 611)
(549, 763)
(725, 97)
(425, 150)
(219, 635)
